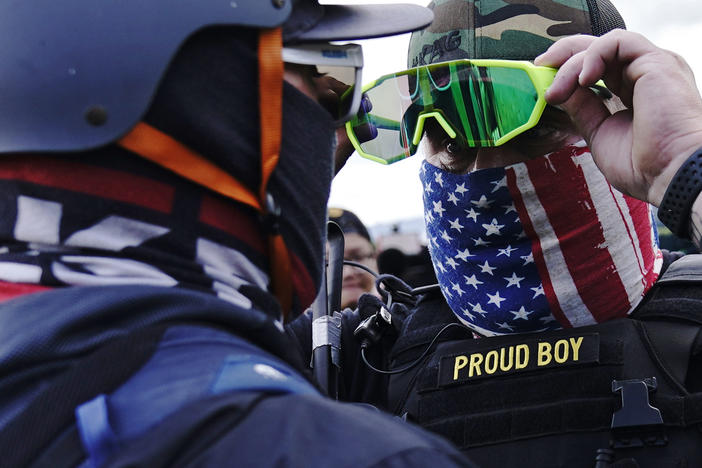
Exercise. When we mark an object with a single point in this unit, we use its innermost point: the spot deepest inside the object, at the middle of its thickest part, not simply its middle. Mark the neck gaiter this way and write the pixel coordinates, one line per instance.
(539, 245)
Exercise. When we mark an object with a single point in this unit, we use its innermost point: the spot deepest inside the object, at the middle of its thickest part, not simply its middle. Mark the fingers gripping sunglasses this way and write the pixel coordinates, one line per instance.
(481, 103)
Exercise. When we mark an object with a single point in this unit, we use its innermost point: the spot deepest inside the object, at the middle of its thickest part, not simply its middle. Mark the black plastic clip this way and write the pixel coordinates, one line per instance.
(371, 330)
(637, 423)
(270, 219)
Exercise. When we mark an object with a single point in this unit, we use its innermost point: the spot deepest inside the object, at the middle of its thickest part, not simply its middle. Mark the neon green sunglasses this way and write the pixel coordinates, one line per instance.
(481, 102)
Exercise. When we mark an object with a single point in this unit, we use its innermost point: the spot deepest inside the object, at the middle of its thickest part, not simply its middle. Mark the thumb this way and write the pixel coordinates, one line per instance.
(587, 111)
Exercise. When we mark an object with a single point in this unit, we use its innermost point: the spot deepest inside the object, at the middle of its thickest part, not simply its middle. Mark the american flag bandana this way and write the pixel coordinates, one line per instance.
(539, 245)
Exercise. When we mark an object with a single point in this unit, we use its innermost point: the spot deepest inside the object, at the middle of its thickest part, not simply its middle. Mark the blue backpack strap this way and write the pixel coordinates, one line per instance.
(96, 434)
(248, 369)
(242, 373)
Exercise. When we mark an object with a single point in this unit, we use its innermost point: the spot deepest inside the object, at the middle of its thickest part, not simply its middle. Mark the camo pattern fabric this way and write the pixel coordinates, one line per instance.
(506, 29)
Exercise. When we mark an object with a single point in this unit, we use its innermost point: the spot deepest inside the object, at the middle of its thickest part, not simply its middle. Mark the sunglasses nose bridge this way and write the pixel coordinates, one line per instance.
(419, 129)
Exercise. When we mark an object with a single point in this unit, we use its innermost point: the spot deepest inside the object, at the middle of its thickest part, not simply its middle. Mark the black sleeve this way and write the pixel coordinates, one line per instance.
(300, 332)
(358, 383)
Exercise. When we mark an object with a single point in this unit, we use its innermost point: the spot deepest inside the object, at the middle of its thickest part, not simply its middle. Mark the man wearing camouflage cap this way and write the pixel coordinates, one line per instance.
(535, 249)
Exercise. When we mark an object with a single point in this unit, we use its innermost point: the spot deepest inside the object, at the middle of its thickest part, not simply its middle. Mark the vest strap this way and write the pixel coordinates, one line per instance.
(270, 82)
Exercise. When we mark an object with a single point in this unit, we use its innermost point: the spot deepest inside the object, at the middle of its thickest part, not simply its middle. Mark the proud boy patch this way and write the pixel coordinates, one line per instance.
(497, 357)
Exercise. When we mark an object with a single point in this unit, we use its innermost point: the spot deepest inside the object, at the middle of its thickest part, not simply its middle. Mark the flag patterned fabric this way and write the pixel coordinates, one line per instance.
(538, 245)
(70, 222)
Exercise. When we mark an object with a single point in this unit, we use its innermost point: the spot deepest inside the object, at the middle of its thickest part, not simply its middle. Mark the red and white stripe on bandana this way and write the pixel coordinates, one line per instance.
(605, 233)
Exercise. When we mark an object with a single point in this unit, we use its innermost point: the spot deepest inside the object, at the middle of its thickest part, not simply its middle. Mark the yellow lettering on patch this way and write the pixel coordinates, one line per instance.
(475, 361)
(491, 360)
(560, 351)
(506, 367)
(485, 361)
(576, 346)
(544, 354)
(460, 363)
(522, 356)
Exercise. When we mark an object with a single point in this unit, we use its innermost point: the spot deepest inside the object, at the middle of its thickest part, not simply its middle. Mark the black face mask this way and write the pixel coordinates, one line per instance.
(208, 100)
(301, 185)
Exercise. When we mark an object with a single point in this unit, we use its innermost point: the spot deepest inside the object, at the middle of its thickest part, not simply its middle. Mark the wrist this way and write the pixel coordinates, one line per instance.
(676, 206)
(696, 222)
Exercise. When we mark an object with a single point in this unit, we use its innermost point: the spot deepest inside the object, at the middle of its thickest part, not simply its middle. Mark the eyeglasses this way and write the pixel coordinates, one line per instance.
(479, 102)
(358, 256)
(341, 62)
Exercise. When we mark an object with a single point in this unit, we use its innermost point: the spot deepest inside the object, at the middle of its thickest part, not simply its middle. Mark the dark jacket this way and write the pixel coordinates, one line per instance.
(170, 405)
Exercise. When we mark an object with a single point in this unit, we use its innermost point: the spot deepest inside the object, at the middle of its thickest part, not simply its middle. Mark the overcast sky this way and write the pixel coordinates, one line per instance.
(382, 194)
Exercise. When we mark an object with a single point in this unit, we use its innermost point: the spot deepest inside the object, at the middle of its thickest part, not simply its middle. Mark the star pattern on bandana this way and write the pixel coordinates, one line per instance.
(456, 224)
(482, 256)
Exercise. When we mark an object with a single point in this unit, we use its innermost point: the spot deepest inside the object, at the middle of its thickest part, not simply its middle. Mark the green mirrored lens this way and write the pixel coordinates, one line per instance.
(486, 103)
(482, 104)
(380, 130)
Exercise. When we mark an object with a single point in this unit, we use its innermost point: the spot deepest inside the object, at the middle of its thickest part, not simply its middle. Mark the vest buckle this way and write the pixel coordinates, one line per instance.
(636, 423)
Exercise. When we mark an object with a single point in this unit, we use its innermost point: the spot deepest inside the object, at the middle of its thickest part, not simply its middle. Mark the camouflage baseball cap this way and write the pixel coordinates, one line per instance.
(506, 29)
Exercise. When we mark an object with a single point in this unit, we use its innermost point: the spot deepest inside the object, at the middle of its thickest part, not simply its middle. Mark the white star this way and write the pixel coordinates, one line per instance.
(472, 281)
(480, 241)
(548, 319)
(506, 252)
(478, 308)
(514, 280)
(456, 225)
(429, 216)
(452, 198)
(457, 287)
(472, 214)
(504, 325)
(438, 179)
(438, 208)
(522, 313)
(447, 293)
(468, 314)
(486, 268)
(538, 291)
(483, 202)
(433, 240)
(521, 235)
(461, 188)
(495, 299)
(509, 208)
(427, 188)
(445, 236)
(463, 254)
(499, 183)
(528, 259)
(493, 228)
(441, 267)
(452, 262)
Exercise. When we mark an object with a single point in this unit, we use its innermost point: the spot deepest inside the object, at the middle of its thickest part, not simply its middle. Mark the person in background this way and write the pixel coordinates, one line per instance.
(358, 247)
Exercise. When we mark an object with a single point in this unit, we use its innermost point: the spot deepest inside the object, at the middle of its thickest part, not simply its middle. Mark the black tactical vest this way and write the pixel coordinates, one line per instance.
(626, 392)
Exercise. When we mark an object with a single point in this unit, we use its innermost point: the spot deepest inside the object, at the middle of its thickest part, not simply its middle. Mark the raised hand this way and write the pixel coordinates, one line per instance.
(640, 148)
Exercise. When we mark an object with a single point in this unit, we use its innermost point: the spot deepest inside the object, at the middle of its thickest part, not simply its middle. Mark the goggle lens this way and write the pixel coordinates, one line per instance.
(482, 104)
